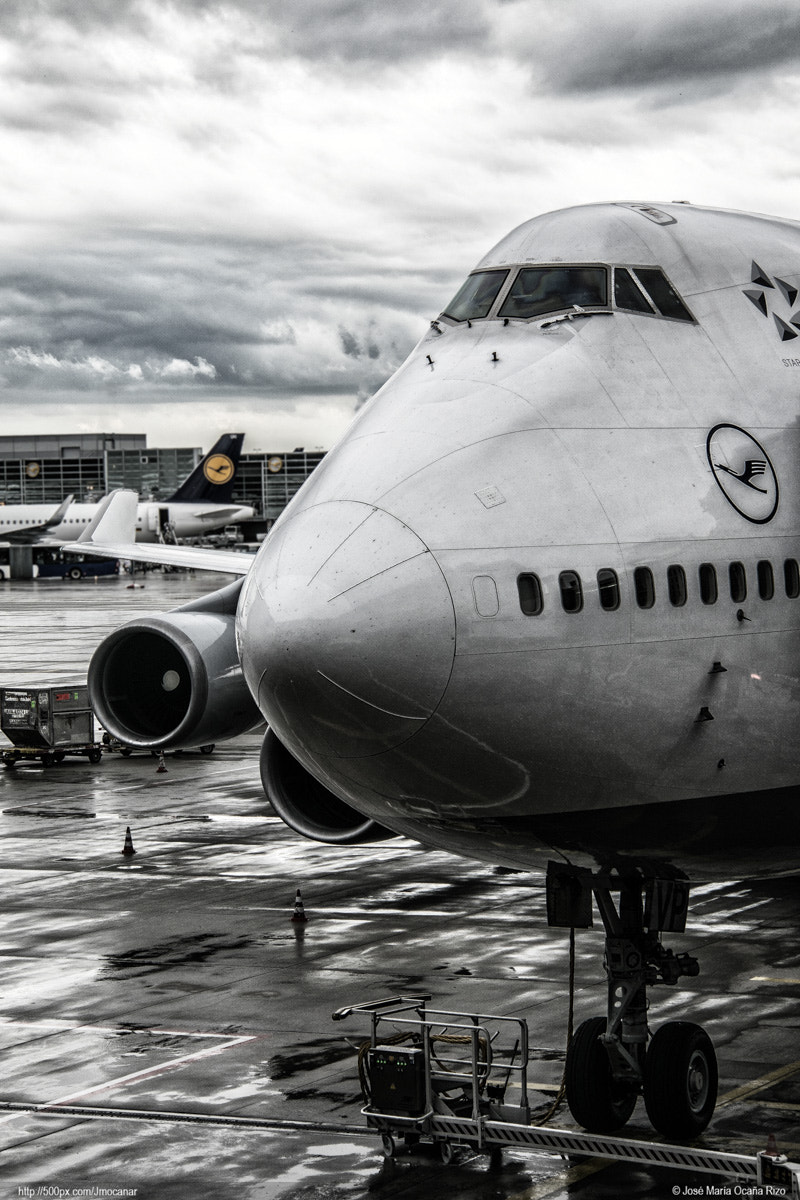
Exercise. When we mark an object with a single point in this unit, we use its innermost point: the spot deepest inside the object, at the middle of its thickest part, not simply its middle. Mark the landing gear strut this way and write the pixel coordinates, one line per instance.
(609, 1062)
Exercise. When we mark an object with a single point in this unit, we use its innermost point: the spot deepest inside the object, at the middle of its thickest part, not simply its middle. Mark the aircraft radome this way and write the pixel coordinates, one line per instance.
(541, 604)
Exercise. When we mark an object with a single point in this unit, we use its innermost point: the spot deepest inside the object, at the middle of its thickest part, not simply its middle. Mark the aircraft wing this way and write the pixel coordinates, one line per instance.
(32, 533)
(112, 534)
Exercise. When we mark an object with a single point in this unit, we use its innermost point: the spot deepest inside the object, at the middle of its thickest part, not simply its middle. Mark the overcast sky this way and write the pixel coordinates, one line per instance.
(242, 215)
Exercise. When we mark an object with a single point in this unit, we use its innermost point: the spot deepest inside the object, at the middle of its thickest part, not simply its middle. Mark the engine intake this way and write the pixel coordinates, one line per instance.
(170, 681)
(306, 805)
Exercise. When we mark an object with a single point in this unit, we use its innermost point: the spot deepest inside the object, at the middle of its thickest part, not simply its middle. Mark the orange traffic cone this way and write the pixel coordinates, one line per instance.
(128, 849)
(162, 766)
(299, 913)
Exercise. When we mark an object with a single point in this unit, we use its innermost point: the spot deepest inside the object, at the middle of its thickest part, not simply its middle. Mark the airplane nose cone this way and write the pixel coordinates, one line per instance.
(347, 631)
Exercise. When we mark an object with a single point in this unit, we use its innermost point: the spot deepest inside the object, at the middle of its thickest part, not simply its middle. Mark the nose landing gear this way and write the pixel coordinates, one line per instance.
(609, 1062)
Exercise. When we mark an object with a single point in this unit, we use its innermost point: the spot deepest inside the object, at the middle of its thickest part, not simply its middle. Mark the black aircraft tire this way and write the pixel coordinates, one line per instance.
(680, 1080)
(595, 1099)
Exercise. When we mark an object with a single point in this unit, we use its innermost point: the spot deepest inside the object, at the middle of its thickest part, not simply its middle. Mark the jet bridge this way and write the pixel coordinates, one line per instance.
(453, 1080)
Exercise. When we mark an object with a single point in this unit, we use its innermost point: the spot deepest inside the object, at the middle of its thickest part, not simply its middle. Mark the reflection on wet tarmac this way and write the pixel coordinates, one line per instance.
(174, 984)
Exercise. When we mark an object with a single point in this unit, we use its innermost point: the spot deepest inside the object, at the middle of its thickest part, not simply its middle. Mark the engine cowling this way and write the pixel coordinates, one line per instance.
(306, 805)
(172, 681)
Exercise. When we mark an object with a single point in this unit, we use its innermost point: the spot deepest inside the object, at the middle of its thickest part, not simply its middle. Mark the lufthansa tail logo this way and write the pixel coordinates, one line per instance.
(743, 472)
(218, 468)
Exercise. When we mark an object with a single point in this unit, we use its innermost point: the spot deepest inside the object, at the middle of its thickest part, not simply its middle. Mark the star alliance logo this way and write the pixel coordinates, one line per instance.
(743, 472)
(771, 292)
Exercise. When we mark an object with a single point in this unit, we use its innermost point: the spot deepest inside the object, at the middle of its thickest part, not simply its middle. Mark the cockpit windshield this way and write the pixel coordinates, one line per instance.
(529, 292)
(539, 290)
(474, 299)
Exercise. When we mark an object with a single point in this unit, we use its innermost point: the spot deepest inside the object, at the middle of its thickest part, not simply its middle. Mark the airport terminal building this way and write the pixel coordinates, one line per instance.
(44, 468)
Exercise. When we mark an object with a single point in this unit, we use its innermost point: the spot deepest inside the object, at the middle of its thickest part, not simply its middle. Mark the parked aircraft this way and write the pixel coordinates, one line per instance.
(541, 605)
(202, 503)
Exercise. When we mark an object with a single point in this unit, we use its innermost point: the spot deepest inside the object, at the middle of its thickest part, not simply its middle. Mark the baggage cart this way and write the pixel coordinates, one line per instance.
(46, 724)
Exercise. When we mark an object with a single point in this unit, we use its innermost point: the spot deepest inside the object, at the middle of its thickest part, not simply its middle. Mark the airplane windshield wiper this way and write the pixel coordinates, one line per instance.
(576, 311)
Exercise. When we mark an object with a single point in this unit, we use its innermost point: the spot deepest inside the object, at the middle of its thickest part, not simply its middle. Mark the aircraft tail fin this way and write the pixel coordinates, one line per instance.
(213, 477)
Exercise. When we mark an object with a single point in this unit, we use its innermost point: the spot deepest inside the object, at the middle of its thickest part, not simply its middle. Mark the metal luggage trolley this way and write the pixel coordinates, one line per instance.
(430, 1075)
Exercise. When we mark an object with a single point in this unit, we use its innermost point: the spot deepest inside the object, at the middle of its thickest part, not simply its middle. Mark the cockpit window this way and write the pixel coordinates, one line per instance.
(474, 299)
(540, 290)
(662, 293)
(627, 294)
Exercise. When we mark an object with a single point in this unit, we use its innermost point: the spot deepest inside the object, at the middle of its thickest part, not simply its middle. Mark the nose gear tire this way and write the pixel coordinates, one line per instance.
(596, 1100)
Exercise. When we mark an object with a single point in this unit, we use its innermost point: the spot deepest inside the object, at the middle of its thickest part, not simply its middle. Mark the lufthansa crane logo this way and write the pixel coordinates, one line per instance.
(744, 472)
(218, 468)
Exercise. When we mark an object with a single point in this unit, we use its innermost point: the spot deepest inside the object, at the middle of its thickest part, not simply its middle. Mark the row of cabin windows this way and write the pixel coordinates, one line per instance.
(531, 595)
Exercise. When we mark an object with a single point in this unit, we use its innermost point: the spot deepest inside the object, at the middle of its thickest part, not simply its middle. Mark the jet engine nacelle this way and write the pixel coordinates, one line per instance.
(306, 806)
(170, 681)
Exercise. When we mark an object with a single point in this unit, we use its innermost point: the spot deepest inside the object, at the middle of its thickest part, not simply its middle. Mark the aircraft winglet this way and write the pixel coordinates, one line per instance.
(59, 514)
(114, 521)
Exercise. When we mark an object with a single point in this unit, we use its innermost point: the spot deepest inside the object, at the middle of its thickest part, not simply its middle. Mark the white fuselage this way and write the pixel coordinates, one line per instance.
(186, 519)
(432, 628)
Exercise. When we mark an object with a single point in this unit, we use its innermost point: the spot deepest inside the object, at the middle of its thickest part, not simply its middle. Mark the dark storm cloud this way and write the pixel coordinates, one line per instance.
(630, 46)
(175, 312)
(341, 30)
(23, 16)
(360, 30)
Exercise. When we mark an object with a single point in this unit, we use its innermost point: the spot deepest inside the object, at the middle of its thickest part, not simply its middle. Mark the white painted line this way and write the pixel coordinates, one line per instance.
(150, 1072)
(70, 1027)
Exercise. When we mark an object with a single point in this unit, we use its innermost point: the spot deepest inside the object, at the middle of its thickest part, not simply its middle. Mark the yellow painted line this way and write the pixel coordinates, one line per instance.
(564, 1179)
(773, 979)
(758, 1085)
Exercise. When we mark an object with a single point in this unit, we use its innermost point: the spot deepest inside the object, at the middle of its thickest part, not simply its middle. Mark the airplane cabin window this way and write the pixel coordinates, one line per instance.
(531, 600)
(644, 587)
(676, 586)
(738, 582)
(662, 293)
(766, 580)
(627, 294)
(708, 583)
(791, 578)
(569, 583)
(475, 298)
(540, 290)
(608, 589)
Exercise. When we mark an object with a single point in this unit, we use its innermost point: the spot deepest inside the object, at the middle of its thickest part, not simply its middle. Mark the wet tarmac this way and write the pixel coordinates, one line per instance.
(165, 1028)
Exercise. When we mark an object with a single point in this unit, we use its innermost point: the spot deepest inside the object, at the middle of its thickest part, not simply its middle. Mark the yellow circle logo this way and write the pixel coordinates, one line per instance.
(32, 470)
(218, 468)
(275, 464)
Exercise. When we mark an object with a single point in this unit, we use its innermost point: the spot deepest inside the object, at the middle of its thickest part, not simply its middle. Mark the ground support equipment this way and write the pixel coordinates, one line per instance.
(441, 1078)
(47, 724)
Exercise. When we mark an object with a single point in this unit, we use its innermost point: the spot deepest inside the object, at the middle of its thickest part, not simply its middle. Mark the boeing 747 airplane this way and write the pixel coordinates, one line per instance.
(540, 606)
(203, 503)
